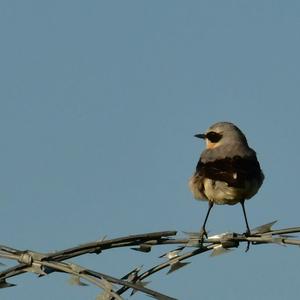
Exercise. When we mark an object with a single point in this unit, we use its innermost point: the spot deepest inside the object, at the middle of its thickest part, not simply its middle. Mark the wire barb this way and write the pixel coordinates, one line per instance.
(45, 263)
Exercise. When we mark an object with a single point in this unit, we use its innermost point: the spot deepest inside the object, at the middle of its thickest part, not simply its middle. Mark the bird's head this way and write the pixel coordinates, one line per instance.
(222, 133)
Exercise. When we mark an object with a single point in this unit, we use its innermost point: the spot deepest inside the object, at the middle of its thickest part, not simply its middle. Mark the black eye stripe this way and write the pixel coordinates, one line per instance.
(214, 137)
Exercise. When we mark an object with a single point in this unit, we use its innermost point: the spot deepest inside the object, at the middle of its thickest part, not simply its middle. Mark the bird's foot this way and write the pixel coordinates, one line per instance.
(202, 235)
(247, 234)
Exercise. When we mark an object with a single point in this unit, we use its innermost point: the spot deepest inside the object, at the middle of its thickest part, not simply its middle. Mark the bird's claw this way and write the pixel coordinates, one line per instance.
(202, 235)
(247, 234)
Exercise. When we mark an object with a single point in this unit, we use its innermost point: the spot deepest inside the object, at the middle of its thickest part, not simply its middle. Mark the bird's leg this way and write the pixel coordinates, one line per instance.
(248, 232)
(203, 232)
(245, 217)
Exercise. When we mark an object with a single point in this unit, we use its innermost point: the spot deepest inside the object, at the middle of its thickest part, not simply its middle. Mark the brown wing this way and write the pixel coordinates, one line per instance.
(235, 171)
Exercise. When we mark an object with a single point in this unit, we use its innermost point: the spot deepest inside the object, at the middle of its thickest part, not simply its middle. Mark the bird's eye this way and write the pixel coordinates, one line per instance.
(213, 137)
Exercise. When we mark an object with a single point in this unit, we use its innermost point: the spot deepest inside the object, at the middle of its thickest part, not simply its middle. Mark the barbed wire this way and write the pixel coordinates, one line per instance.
(45, 263)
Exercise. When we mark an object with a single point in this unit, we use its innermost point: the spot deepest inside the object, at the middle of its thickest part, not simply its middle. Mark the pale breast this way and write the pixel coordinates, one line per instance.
(221, 193)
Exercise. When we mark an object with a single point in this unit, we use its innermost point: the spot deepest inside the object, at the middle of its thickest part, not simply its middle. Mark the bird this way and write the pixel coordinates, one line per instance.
(227, 172)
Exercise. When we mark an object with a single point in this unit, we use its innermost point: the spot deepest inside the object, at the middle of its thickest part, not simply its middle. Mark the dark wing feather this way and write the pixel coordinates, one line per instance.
(235, 171)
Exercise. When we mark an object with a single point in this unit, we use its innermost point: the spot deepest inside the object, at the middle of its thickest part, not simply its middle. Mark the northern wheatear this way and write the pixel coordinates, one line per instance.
(228, 171)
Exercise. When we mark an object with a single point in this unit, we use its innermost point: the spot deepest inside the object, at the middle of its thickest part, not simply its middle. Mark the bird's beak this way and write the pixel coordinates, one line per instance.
(200, 135)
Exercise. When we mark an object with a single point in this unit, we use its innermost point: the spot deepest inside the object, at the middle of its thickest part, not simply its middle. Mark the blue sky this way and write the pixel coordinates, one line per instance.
(99, 102)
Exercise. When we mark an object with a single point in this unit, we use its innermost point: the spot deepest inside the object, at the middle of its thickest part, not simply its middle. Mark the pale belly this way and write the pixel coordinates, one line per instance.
(219, 192)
